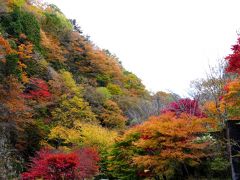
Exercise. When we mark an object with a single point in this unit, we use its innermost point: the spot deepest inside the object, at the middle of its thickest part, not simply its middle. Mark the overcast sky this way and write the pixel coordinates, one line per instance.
(167, 43)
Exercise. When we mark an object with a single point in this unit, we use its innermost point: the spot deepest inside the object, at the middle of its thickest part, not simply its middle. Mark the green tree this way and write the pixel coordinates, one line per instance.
(56, 24)
(18, 22)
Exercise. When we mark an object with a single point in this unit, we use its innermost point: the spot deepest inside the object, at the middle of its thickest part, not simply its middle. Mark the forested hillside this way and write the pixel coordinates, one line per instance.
(70, 110)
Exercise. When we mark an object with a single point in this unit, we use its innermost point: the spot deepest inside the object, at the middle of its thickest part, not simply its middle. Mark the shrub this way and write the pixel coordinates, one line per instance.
(76, 165)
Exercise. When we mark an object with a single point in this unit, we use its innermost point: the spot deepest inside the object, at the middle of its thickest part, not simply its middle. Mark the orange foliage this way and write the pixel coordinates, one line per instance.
(25, 51)
(74, 42)
(5, 47)
(212, 109)
(14, 111)
(92, 60)
(103, 63)
(53, 47)
(10, 95)
(167, 139)
(112, 116)
(232, 99)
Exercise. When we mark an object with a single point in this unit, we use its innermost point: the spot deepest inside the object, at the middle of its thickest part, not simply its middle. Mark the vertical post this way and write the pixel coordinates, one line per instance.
(229, 150)
(233, 136)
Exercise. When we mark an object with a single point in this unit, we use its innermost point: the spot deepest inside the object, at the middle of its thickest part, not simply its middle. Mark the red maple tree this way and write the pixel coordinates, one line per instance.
(37, 89)
(234, 59)
(54, 166)
(186, 105)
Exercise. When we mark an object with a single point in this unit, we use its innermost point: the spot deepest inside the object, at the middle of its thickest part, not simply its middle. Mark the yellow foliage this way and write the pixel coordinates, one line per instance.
(73, 110)
(95, 135)
(66, 134)
(83, 134)
(72, 107)
(70, 83)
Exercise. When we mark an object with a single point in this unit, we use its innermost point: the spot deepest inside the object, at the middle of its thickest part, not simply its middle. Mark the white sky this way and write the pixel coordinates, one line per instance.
(167, 43)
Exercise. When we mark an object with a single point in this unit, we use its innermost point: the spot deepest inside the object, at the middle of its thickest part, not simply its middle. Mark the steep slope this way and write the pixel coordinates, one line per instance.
(59, 90)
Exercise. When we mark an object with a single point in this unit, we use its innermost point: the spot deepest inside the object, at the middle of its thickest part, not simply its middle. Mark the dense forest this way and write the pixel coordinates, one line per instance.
(70, 110)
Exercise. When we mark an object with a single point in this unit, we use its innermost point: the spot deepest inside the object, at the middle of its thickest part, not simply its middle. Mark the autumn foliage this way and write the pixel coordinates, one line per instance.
(165, 143)
(59, 90)
(232, 96)
(5, 46)
(37, 89)
(184, 106)
(234, 59)
(53, 166)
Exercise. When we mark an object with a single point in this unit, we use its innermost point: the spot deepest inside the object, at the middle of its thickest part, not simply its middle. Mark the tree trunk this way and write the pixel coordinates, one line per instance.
(164, 177)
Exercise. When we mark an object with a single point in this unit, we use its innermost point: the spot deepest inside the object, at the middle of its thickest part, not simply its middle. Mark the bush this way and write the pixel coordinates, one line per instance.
(76, 165)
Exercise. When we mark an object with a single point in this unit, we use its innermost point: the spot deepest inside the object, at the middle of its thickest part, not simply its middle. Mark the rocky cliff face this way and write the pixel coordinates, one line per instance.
(8, 158)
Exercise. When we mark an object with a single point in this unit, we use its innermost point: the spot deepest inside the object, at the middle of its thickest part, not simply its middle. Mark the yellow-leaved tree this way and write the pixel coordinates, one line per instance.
(72, 107)
(82, 135)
